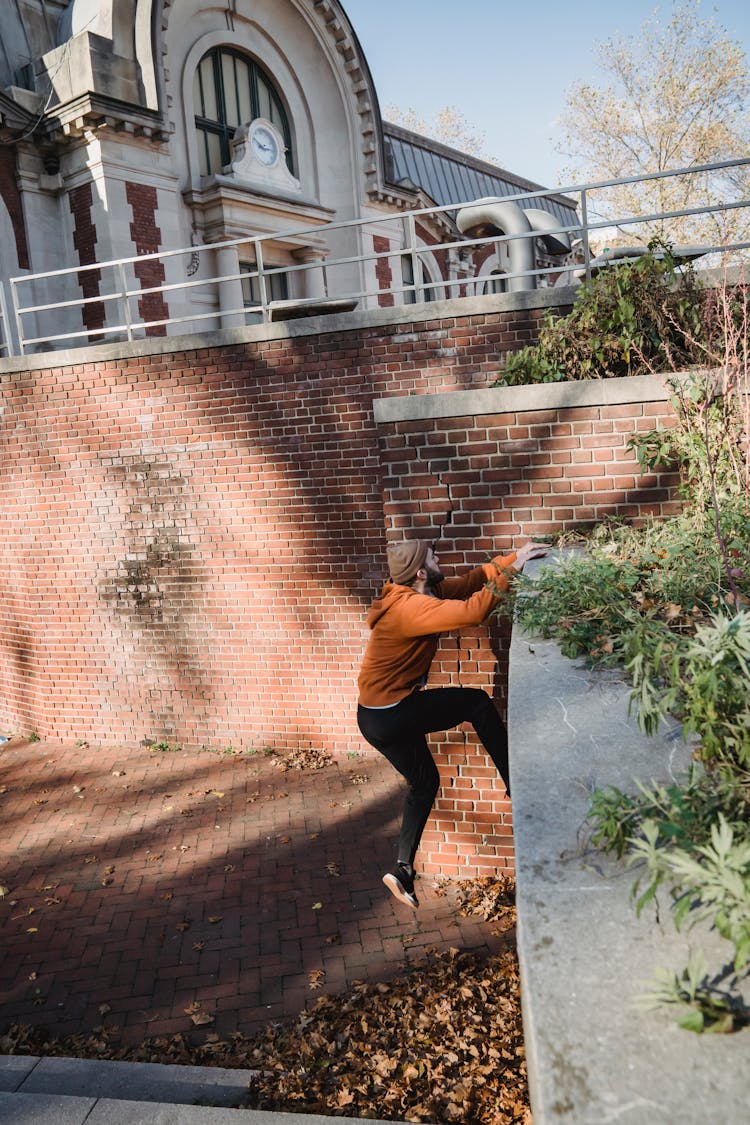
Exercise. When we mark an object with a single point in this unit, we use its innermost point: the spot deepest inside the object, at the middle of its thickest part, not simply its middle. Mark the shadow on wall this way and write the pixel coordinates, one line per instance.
(213, 522)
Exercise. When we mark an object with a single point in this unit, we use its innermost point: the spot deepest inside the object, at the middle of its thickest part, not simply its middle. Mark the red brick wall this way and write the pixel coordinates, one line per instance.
(483, 485)
(191, 538)
(146, 237)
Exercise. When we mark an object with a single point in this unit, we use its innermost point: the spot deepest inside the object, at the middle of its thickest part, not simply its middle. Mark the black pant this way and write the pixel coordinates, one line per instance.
(399, 734)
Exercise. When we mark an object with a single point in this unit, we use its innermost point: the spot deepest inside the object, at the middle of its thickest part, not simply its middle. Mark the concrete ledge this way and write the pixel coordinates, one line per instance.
(153, 1082)
(357, 320)
(593, 1058)
(14, 1070)
(44, 1109)
(507, 400)
(70, 1091)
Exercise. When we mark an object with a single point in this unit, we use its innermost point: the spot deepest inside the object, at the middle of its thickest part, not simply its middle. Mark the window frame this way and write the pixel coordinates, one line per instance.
(277, 284)
(219, 127)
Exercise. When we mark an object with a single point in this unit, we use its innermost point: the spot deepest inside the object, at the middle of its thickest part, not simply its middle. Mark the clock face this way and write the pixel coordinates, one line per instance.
(265, 146)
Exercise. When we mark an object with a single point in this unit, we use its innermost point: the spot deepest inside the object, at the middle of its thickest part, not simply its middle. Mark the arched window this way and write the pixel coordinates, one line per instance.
(429, 290)
(498, 282)
(229, 90)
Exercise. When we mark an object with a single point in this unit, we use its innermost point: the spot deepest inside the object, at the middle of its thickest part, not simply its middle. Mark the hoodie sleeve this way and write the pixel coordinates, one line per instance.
(476, 579)
(422, 615)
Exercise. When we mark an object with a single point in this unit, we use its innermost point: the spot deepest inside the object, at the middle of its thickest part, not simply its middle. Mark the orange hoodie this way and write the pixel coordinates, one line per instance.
(406, 628)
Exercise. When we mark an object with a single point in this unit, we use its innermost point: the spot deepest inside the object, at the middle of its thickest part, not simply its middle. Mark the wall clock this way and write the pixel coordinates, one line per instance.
(264, 145)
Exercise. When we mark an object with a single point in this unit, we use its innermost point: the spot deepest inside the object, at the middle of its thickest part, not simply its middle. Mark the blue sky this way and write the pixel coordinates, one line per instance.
(505, 64)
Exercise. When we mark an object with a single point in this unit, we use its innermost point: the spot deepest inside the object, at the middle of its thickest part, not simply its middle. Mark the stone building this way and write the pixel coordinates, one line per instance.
(137, 127)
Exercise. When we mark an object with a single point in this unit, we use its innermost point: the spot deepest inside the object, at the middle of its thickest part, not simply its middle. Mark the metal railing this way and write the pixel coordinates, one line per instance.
(47, 311)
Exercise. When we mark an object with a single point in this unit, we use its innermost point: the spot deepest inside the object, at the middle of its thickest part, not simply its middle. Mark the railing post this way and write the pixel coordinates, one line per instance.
(17, 316)
(262, 289)
(7, 341)
(585, 231)
(126, 300)
(416, 271)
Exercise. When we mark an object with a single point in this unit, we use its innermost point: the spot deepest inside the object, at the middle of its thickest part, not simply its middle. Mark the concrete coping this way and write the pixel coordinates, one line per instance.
(335, 319)
(531, 397)
(594, 1057)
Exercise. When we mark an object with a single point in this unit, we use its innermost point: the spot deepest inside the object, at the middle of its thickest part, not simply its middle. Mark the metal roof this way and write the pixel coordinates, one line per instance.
(447, 175)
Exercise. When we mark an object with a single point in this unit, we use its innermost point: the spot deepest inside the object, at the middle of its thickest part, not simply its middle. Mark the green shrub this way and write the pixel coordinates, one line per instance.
(634, 317)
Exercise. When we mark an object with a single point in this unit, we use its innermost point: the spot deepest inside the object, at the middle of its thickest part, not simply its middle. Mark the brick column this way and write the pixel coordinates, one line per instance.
(84, 240)
(146, 237)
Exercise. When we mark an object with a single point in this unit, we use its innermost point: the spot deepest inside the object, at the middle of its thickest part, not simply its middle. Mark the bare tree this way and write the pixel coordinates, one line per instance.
(678, 96)
(448, 125)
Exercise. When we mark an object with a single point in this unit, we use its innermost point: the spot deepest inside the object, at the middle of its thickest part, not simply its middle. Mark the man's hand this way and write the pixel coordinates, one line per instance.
(529, 551)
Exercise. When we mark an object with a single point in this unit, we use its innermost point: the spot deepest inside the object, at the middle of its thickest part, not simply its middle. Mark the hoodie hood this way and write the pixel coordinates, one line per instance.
(390, 595)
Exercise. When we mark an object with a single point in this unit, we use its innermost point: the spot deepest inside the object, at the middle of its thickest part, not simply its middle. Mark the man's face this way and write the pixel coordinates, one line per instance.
(431, 564)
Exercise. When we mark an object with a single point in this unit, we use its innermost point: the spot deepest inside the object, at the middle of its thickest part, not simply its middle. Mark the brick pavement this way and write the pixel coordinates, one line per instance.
(142, 883)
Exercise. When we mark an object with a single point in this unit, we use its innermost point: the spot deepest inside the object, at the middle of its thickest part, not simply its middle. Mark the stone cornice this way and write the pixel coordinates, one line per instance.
(90, 112)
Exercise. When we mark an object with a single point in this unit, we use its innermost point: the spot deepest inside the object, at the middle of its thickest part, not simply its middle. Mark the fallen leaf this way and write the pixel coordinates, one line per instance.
(198, 946)
(317, 906)
(202, 1019)
(216, 918)
(104, 1008)
(183, 925)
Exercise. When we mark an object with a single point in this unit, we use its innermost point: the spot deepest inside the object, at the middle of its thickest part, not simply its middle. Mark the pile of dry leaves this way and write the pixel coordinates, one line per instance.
(303, 758)
(441, 1043)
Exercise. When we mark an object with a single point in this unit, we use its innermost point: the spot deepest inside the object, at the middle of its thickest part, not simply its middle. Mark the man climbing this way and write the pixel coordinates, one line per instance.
(394, 713)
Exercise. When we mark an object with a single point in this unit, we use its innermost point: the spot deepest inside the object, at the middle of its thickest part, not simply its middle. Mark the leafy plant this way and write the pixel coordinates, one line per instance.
(670, 602)
(705, 680)
(630, 318)
(692, 840)
(704, 1007)
(164, 747)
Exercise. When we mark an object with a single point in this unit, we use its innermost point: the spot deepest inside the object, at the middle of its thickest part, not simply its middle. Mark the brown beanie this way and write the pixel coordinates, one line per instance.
(405, 558)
